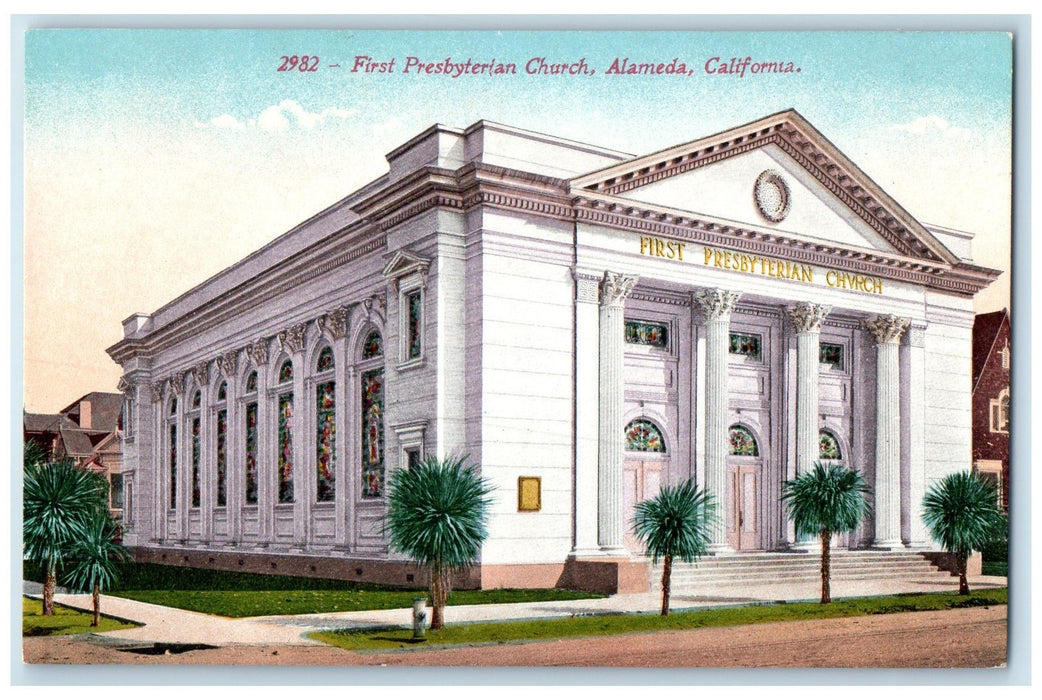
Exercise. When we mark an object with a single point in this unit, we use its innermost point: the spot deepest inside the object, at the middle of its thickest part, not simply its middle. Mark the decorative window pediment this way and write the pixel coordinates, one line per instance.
(405, 263)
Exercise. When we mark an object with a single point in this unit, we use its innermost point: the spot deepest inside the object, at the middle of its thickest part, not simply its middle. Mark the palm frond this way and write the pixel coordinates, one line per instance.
(676, 522)
(58, 501)
(95, 555)
(828, 497)
(962, 513)
(437, 512)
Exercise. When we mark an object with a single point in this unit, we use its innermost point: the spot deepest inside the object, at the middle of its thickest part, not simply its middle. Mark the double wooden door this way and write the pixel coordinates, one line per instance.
(641, 480)
(742, 508)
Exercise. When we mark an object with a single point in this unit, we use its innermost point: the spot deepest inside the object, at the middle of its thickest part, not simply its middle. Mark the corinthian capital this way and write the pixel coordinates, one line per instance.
(228, 363)
(807, 317)
(616, 287)
(177, 383)
(335, 323)
(716, 303)
(202, 373)
(155, 390)
(292, 339)
(886, 329)
(258, 352)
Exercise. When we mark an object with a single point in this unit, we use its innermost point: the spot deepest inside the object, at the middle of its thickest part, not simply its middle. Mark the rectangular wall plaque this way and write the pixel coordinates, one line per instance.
(529, 493)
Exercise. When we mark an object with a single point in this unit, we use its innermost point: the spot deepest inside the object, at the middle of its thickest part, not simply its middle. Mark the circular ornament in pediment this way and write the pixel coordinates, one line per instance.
(772, 196)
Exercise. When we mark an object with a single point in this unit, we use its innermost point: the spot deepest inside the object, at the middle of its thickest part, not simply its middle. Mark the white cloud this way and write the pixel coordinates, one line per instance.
(932, 124)
(281, 117)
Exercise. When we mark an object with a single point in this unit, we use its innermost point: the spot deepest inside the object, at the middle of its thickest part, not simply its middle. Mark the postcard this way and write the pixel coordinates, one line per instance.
(483, 347)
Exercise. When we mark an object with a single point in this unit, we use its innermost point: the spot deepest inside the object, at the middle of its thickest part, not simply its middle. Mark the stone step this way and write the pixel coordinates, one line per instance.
(743, 569)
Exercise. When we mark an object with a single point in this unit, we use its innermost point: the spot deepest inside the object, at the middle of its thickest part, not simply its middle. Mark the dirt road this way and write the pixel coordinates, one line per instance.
(974, 637)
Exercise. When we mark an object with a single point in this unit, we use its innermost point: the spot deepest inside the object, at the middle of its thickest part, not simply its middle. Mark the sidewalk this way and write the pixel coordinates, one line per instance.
(171, 626)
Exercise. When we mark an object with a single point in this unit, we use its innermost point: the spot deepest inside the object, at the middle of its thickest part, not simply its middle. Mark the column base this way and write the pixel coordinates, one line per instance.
(616, 552)
(887, 545)
(585, 552)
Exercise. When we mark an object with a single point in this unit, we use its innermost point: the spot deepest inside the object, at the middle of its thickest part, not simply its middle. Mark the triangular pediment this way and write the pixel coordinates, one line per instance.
(778, 174)
(405, 262)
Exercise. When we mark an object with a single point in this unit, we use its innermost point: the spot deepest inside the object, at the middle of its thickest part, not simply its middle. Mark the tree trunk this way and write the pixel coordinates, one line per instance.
(826, 566)
(964, 584)
(96, 599)
(437, 601)
(667, 572)
(48, 587)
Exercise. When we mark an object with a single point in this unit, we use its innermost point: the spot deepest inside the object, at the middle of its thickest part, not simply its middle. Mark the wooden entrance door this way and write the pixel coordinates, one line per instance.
(640, 481)
(743, 506)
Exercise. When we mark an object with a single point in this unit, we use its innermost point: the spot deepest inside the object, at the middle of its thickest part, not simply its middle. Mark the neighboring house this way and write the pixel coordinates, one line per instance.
(991, 363)
(586, 325)
(87, 431)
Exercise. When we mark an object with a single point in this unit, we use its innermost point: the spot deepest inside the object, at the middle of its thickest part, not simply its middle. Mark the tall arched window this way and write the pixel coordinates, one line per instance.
(644, 436)
(828, 446)
(372, 407)
(285, 432)
(172, 448)
(743, 443)
(195, 423)
(222, 445)
(250, 453)
(325, 453)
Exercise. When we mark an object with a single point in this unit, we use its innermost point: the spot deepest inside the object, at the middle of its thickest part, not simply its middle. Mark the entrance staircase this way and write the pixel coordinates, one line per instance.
(735, 570)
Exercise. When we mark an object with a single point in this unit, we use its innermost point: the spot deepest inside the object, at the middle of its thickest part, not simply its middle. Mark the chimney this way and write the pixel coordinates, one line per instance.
(85, 417)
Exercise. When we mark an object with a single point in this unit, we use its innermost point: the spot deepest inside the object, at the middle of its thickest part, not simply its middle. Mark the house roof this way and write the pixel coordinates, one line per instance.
(105, 410)
(986, 330)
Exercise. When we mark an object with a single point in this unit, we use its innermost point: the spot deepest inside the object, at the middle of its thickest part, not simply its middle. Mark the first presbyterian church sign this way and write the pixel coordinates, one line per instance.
(758, 265)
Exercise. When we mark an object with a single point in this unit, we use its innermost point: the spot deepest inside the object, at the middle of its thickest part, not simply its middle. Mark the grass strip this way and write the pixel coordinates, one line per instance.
(303, 602)
(591, 626)
(64, 621)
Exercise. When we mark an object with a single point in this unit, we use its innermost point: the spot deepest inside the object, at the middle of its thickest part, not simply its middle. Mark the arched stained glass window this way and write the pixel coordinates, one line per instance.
(196, 399)
(325, 360)
(828, 446)
(372, 434)
(173, 406)
(222, 392)
(373, 345)
(286, 372)
(251, 382)
(743, 443)
(644, 436)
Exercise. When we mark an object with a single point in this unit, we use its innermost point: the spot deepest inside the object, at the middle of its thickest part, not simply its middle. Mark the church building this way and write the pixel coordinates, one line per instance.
(585, 325)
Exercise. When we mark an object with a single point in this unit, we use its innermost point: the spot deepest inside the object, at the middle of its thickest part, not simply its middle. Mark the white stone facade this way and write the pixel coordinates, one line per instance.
(532, 298)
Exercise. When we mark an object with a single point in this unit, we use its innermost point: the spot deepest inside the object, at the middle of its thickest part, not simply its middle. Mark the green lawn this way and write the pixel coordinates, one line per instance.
(64, 621)
(238, 594)
(530, 630)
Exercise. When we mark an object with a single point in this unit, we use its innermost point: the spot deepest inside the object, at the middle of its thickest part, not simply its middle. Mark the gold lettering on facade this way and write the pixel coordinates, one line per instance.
(755, 264)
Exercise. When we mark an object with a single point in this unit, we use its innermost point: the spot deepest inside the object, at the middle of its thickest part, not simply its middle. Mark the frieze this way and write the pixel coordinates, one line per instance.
(716, 303)
(886, 329)
(292, 339)
(616, 287)
(807, 317)
(660, 298)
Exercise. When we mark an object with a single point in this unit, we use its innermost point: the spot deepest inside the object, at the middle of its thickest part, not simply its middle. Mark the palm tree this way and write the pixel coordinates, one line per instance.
(675, 524)
(437, 514)
(823, 501)
(962, 514)
(95, 556)
(58, 501)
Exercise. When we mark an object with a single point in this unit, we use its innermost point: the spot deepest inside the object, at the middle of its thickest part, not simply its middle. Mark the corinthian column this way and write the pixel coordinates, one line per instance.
(717, 305)
(614, 290)
(886, 332)
(806, 319)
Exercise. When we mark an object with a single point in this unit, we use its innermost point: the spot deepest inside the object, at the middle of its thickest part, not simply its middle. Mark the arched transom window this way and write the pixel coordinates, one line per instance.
(743, 443)
(644, 436)
(828, 446)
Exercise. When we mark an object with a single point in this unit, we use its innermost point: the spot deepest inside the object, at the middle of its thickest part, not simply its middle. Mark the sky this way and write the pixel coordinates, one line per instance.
(156, 158)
